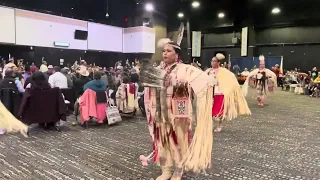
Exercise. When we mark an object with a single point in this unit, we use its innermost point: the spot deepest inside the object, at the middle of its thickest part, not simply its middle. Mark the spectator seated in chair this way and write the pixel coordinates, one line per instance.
(93, 105)
(42, 104)
(96, 85)
(93, 102)
(316, 87)
(10, 89)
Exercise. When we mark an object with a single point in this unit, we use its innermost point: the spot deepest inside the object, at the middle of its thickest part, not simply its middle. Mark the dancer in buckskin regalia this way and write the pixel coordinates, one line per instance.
(168, 101)
(229, 101)
(263, 80)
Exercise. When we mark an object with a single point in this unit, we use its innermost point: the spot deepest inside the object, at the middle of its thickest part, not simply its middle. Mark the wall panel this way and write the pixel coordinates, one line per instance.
(104, 38)
(288, 35)
(7, 30)
(37, 29)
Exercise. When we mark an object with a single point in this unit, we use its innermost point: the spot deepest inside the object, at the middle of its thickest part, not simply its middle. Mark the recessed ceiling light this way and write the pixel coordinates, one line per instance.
(72, 8)
(149, 7)
(276, 10)
(180, 15)
(195, 4)
(137, 3)
(221, 15)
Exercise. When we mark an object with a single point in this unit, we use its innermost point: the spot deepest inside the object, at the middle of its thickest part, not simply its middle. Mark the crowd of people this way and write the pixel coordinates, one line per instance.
(20, 79)
(174, 95)
(302, 83)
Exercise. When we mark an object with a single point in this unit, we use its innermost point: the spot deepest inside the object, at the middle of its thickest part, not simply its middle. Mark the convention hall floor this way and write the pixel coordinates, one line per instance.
(279, 141)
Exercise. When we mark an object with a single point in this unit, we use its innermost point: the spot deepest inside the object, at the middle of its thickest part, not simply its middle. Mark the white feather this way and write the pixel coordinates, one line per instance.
(180, 35)
(220, 56)
(162, 42)
(261, 57)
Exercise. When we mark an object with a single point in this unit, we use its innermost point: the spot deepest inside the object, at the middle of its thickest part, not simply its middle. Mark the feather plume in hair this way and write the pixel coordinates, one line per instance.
(180, 35)
(162, 42)
(199, 64)
(220, 56)
(261, 58)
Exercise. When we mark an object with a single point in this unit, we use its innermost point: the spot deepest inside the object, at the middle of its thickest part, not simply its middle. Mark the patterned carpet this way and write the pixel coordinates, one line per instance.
(279, 141)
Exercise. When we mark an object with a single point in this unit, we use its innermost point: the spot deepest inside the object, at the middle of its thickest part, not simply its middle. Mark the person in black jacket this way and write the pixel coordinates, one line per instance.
(10, 89)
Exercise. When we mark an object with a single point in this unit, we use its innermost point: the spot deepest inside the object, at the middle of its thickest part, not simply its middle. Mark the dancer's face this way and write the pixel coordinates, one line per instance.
(262, 66)
(214, 62)
(169, 55)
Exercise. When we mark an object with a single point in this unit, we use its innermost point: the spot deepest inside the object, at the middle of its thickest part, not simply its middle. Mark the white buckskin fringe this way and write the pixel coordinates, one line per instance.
(198, 156)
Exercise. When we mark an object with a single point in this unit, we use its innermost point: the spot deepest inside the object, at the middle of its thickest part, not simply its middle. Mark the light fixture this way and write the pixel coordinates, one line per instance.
(149, 7)
(61, 44)
(137, 3)
(276, 10)
(107, 14)
(72, 8)
(195, 4)
(221, 15)
(180, 15)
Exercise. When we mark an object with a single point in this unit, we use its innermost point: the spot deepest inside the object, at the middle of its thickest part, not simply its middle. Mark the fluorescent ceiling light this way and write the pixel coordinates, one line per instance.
(276, 10)
(61, 44)
(149, 7)
(180, 15)
(195, 4)
(221, 15)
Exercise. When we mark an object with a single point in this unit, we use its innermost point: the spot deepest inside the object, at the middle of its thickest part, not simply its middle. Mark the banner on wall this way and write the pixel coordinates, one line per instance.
(244, 42)
(196, 43)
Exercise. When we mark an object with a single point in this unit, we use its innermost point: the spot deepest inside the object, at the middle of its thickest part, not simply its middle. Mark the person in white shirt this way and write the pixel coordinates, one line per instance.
(57, 79)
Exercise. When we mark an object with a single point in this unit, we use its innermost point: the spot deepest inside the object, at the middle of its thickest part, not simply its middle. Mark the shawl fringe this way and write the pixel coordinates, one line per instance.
(198, 156)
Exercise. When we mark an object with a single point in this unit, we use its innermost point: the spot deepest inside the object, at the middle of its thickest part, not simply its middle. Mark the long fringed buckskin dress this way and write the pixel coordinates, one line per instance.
(169, 114)
(229, 101)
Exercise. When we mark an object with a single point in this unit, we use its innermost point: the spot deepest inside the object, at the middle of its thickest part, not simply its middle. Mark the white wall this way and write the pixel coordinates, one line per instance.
(37, 29)
(138, 40)
(132, 42)
(149, 41)
(104, 38)
(29, 28)
(7, 29)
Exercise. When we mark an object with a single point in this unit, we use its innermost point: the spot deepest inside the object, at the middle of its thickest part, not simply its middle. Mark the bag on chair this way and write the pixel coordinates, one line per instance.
(113, 115)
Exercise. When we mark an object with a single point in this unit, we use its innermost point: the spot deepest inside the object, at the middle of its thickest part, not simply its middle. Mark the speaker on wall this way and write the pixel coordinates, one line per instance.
(81, 35)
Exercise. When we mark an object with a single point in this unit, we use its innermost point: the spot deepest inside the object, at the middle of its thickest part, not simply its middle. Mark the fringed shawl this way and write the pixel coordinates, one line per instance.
(269, 73)
(235, 103)
(198, 156)
(10, 123)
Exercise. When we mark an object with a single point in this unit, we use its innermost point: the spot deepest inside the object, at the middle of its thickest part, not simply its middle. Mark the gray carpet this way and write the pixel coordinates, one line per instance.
(279, 141)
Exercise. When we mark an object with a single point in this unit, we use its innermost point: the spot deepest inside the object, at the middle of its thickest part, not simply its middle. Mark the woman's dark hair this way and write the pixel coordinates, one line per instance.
(176, 47)
(97, 75)
(112, 86)
(39, 81)
(126, 79)
(134, 78)
(27, 68)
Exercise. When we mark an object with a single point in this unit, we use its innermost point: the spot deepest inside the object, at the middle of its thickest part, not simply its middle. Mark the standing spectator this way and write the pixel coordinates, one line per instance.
(64, 71)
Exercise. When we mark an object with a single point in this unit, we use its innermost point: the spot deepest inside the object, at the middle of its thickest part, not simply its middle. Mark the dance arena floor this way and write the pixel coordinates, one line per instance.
(279, 141)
